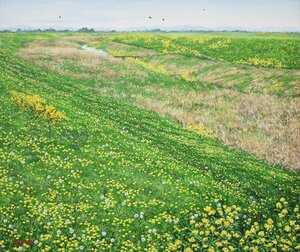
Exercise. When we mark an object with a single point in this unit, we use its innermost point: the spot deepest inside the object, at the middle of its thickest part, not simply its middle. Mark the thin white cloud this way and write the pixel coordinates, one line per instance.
(126, 14)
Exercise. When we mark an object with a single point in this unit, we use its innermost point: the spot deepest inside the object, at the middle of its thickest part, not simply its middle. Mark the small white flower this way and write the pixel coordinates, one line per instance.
(71, 230)
(46, 154)
(79, 187)
(60, 180)
(10, 178)
(48, 223)
(112, 240)
(40, 206)
(81, 247)
(175, 221)
(193, 217)
(102, 196)
(49, 177)
(136, 216)
(103, 233)
(124, 203)
(5, 220)
(150, 231)
(36, 242)
(58, 232)
(72, 171)
(98, 241)
(21, 182)
(170, 221)
(126, 194)
(74, 235)
(154, 230)
(143, 239)
(141, 216)
(15, 230)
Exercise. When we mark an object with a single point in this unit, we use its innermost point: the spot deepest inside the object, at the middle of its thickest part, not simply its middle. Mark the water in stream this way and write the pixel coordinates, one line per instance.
(96, 51)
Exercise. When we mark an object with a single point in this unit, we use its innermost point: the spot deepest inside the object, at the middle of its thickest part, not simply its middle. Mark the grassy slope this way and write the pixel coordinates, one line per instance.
(237, 102)
(127, 155)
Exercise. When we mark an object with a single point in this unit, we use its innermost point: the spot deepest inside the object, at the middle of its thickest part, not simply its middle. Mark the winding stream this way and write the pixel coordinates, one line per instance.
(96, 51)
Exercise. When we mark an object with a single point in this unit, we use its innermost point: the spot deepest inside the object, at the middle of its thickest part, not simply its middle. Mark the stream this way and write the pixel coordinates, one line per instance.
(96, 51)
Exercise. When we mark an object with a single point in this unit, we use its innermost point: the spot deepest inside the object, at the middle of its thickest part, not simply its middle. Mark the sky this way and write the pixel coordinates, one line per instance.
(258, 15)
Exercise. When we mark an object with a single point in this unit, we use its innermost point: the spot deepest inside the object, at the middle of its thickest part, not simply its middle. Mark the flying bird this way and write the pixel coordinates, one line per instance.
(163, 19)
(204, 9)
(59, 17)
(150, 17)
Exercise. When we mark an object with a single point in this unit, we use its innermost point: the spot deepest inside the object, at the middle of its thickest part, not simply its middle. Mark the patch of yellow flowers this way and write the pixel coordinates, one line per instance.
(262, 62)
(218, 229)
(201, 130)
(151, 66)
(185, 75)
(220, 44)
(38, 105)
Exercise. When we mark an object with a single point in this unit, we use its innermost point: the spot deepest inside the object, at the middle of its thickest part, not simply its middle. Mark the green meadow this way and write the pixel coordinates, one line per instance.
(172, 142)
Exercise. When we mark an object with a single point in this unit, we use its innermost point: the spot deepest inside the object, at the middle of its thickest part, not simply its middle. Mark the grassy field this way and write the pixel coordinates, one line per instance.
(83, 168)
(262, 51)
(255, 109)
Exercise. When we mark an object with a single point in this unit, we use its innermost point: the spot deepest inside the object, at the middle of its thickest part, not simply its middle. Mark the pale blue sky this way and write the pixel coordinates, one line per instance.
(274, 15)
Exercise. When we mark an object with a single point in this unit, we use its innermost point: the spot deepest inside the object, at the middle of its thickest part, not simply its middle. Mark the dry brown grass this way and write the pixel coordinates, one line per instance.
(56, 55)
(265, 125)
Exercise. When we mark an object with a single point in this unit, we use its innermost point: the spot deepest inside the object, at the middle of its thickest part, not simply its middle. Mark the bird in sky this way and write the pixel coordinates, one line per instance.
(59, 17)
(163, 20)
(150, 17)
(204, 9)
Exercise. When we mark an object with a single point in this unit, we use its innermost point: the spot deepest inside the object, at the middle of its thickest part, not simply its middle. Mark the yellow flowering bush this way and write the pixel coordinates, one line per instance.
(38, 105)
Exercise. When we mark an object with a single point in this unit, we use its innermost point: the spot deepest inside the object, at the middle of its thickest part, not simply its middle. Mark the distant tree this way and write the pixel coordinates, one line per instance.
(155, 30)
(50, 30)
(85, 29)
